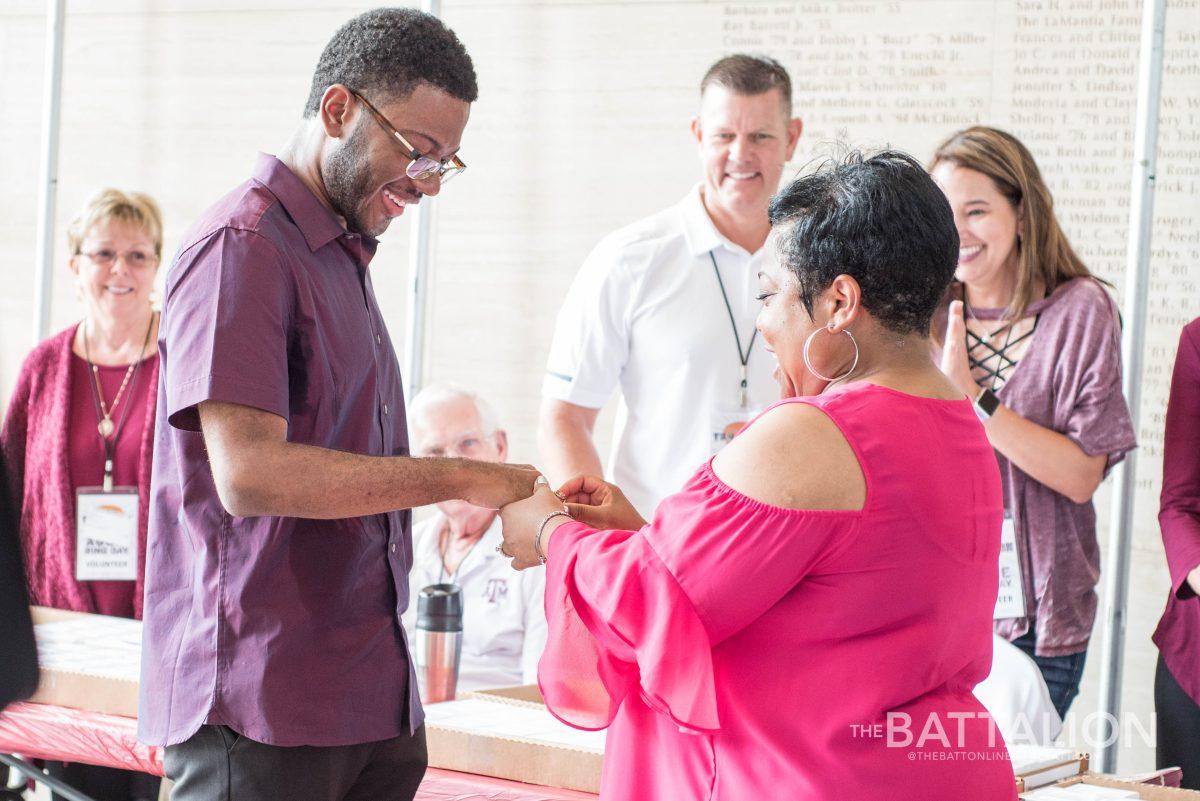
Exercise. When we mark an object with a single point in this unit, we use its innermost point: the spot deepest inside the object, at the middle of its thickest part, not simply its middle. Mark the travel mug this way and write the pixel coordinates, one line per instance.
(439, 640)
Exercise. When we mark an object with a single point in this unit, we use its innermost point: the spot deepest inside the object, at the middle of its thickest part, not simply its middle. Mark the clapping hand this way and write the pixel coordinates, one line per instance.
(955, 363)
(787, 389)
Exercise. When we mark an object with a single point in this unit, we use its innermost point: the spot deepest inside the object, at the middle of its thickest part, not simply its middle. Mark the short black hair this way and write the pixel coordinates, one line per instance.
(386, 52)
(749, 74)
(879, 219)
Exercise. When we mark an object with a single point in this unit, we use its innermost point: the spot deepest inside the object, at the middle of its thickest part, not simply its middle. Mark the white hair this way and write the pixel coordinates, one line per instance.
(442, 392)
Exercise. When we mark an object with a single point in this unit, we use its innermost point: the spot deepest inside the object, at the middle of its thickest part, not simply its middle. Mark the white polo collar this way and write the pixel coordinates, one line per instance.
(483, 552)
(698, 229)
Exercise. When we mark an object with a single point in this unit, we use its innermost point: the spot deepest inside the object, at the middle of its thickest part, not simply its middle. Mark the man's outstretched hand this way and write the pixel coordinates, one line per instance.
(494, 485)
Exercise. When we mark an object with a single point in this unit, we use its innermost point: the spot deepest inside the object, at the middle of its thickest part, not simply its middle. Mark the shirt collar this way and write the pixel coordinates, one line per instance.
(491, 538)
(483, 552)
(316, 221)
(698, 229)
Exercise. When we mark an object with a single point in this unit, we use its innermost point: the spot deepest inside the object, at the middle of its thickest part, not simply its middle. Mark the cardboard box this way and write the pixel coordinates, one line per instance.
(1146, 791)
(1049, 772)
(510, 753)
(513, 757)
(88, 662)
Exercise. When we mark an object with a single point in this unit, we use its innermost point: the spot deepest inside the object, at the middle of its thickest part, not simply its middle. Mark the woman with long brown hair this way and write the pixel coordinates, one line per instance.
(1034, 338)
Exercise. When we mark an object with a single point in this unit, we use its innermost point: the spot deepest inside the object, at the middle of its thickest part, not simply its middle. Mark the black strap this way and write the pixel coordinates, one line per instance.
(1004, 362)
(744, 358)
(446, 548)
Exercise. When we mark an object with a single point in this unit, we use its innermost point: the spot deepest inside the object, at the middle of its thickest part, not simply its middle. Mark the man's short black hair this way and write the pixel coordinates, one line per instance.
(749, 74)
(881, 220)
(386, 52)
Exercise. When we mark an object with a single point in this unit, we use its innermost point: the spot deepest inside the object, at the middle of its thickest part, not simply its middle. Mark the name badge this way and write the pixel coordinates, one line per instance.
(106, 534)
(724, 425)
(1010, 602)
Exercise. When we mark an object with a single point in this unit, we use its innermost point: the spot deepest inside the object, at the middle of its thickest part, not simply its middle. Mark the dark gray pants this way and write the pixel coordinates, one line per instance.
(104, 784)
(1178, 727)
(218, 764)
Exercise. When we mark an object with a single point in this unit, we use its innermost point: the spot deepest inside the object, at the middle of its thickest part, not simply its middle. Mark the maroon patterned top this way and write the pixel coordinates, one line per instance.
(1069, 381)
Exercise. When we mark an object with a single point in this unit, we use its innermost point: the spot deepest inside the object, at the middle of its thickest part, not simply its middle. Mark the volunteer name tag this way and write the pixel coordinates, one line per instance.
(106, 529)
(724, 425)
(1010, 602)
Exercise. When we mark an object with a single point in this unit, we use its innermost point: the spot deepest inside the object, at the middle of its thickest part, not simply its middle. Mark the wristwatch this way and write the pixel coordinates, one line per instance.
(986, 404)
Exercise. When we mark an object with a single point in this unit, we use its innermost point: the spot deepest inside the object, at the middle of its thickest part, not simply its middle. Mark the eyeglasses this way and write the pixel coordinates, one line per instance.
(133, 258)
(420, 167)
(468, 446)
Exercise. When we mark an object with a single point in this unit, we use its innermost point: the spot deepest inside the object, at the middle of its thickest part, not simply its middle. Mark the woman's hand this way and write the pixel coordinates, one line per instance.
(955, 363)
(787, 389)
(1193, 579)
(594, 501)
(520, 521)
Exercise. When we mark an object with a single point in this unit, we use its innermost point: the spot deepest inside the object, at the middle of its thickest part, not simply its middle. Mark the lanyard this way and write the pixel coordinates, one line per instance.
(744, 358)
(446, 546)
(109, 434)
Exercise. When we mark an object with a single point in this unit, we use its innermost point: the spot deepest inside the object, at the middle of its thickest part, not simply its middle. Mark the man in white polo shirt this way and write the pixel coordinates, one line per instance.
(665, 308)
(504, 622)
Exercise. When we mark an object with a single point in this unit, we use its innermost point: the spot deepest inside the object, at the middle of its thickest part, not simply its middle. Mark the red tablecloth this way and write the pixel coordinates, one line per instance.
(40, 731)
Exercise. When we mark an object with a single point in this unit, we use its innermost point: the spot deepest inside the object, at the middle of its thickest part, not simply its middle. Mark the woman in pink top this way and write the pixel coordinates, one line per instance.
(806, 619)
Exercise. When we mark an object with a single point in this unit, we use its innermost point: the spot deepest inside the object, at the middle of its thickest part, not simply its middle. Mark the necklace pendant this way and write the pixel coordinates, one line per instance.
(105, 427)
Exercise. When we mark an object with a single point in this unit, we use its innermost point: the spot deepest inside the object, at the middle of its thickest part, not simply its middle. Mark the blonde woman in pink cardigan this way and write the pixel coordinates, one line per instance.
(78, 432)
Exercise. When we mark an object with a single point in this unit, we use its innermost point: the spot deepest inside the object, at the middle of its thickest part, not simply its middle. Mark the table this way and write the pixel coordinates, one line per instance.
(43, 731)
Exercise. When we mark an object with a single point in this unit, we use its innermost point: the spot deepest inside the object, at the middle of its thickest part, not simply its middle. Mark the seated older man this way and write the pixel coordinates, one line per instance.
(504, 624)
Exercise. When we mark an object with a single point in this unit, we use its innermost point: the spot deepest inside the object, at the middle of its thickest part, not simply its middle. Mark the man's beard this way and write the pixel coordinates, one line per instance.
(347, 176)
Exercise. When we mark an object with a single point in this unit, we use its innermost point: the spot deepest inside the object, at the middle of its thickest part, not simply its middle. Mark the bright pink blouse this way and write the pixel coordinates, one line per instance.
(738, 650)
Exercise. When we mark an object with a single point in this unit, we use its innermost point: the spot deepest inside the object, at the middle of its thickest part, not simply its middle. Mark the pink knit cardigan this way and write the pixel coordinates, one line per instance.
(34, 444)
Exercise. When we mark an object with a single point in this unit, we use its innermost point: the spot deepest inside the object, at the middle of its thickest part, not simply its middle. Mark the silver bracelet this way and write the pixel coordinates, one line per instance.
(537, 542)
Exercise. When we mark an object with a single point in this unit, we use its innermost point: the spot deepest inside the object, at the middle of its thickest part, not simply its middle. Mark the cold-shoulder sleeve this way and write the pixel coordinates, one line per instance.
(639, 612)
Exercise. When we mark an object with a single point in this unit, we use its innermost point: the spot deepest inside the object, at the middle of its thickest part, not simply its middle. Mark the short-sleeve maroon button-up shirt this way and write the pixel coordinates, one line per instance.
(286, 630)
